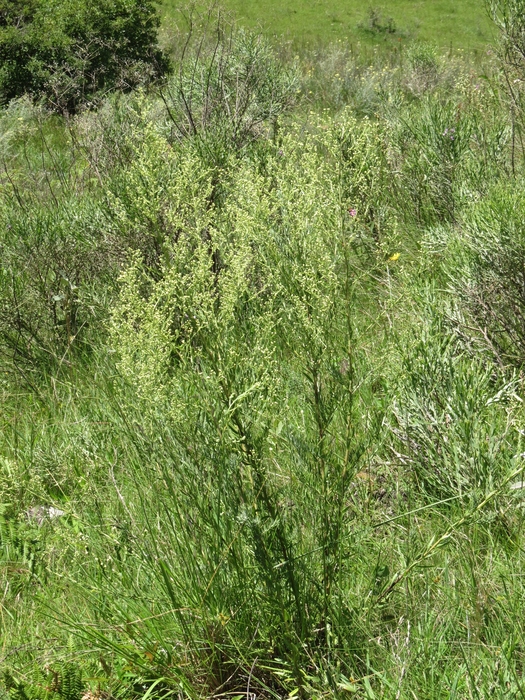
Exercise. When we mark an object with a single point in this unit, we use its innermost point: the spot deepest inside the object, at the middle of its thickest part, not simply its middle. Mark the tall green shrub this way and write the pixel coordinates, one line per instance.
(241, 349)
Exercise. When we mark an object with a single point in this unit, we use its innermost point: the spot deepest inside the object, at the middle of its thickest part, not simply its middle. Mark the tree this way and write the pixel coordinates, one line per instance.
(71, 52)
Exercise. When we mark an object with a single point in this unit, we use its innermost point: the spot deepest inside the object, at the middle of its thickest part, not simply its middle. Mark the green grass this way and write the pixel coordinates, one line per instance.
(460, 24)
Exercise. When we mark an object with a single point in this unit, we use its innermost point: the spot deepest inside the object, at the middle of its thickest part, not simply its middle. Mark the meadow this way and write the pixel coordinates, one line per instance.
(464, 24)
(262, 341)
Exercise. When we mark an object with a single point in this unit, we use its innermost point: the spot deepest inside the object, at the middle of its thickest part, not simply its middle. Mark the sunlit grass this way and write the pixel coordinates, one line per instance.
(461, 24)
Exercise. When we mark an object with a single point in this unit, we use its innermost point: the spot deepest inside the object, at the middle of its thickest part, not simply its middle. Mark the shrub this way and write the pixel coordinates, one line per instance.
(509, 17)
(424, 69)
(376, 24)
(228, 85)
(452, 419)
(489, 263)
(430, 147)
(238, 344)
(68, 52)
(52, 264)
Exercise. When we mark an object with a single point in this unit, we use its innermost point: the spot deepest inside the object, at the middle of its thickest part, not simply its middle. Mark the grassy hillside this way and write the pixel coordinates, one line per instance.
(447, 23)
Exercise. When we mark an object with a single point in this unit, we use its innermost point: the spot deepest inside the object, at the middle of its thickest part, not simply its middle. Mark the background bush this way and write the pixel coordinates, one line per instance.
(69, 52)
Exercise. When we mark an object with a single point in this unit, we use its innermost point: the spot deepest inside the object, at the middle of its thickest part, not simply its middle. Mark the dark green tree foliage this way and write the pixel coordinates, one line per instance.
(69, 52)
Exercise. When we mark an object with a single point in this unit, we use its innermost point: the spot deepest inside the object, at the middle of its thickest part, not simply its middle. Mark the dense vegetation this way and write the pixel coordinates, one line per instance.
(262, 340)
(72, 52)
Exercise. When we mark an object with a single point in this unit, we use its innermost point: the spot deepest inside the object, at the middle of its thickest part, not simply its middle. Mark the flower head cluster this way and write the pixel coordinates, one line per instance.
(450, 133)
